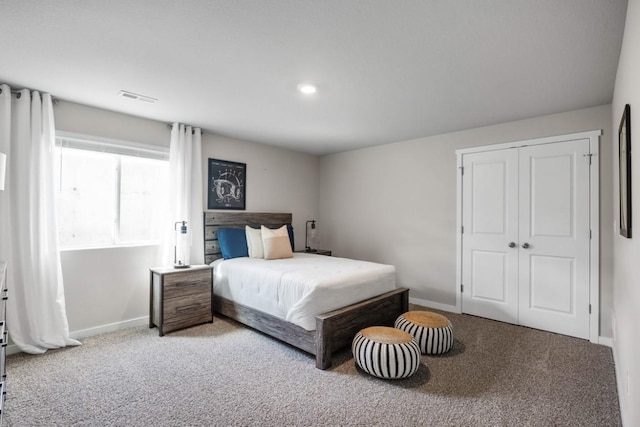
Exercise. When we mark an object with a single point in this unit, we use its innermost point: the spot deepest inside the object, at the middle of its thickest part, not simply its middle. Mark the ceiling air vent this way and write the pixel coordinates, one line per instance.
(131, 95)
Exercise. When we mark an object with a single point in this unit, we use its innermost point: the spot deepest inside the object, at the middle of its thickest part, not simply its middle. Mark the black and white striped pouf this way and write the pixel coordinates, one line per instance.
(386, 352)
(432, 331)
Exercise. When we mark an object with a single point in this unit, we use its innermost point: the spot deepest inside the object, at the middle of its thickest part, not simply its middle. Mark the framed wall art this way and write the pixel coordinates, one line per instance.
(227, 185)
(624, 150)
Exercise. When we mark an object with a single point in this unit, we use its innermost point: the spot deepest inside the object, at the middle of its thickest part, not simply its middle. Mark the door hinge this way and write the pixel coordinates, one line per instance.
(461, 170)
(461, 287)
(462, 229)
(589, 308)
(589, 156)
(590, 235)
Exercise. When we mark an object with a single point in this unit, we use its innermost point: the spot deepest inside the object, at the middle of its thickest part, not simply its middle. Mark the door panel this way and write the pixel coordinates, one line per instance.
(488, 197)
(489, 279)
(490, 211)
(551, 196)
(554, 223)
(552, 284)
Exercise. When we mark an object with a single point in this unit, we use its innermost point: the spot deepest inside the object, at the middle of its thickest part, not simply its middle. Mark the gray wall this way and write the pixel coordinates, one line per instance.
(626, 267)
(107, 288)
(396, 203)
(278, 180)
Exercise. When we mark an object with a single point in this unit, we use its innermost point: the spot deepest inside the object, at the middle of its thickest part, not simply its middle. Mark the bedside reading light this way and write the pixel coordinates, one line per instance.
(3, 168)
(177, 263)
(310, 243)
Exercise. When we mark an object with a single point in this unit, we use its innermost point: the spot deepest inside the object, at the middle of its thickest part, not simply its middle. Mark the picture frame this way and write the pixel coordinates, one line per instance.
(624, 155)
(226, 185)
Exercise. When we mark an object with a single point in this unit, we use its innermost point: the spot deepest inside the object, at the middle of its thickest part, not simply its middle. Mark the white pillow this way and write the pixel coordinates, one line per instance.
(276, 243)
(254, 242)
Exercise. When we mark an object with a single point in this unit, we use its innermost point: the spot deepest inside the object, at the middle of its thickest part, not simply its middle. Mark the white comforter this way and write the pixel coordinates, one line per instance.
(299, 288)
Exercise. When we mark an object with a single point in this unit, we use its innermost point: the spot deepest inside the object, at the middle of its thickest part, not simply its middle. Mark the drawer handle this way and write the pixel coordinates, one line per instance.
(187, 284)
(188, 308)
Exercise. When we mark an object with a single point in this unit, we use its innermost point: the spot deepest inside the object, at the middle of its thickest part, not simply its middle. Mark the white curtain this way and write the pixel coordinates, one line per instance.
(36, 314)
(185, 194)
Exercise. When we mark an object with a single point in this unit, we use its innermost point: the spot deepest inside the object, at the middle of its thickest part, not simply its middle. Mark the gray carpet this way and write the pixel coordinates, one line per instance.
(222, 374)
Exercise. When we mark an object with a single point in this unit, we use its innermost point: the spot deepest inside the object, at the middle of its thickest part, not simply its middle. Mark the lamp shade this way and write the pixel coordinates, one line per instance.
(3, 168)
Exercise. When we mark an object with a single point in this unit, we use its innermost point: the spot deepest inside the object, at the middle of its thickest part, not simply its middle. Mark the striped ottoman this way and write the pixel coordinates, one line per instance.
(386, 352)
(433, 332)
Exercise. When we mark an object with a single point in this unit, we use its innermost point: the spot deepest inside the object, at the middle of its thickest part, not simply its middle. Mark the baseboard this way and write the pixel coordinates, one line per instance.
(605, 341)
(111, 327)
(436, 305)
(84, 333)
(619, 385)
(12, 349)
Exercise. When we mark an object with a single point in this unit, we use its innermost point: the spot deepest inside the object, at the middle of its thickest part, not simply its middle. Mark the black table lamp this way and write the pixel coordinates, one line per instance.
(307, 246)
(183, 230)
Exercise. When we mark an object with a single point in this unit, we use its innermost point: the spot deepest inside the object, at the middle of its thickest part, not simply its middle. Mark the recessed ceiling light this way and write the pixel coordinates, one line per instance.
(307, 88)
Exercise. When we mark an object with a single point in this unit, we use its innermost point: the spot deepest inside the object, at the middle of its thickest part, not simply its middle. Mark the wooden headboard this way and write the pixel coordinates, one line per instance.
(215, 220)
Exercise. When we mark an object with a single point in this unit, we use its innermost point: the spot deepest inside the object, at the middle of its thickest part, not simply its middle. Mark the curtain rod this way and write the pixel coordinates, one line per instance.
(18, 93)
(193, 128)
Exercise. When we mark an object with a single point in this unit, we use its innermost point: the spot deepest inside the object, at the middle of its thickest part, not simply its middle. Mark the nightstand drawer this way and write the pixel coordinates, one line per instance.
(3, 352)
(190, 306)
(181, 323)
(3, 304)
(3, 390)
(196, 282)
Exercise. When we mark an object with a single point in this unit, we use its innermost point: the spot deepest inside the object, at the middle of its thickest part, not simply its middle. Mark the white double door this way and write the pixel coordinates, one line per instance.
(525, 238)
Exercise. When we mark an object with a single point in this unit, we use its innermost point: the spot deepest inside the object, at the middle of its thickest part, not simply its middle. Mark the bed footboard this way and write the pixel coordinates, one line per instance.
(266, 323)
(336, 329)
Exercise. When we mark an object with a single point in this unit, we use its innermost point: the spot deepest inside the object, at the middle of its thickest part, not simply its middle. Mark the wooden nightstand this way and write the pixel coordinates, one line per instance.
(316, 252)
(179, 298)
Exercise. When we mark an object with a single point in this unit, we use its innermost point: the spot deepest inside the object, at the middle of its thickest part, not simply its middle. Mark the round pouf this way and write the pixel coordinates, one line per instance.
(432, 331)
(386, 352)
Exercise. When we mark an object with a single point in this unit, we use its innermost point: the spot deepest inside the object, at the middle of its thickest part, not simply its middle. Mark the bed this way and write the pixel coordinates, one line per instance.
(332, 331)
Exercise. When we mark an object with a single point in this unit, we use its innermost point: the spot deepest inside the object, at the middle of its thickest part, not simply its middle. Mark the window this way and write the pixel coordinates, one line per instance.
(110, 192)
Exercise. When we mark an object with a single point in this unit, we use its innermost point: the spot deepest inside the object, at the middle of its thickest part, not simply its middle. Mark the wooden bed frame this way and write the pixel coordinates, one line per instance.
(334, 330)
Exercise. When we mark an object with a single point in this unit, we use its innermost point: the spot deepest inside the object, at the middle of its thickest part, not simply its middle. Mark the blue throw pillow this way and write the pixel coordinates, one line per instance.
(291, 238)
(233, 242)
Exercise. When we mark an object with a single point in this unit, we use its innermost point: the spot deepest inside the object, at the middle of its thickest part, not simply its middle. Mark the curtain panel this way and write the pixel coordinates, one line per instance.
(185, 195)
(36, 313)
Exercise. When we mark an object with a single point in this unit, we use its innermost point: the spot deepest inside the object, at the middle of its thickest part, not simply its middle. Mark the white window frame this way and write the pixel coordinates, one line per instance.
(112, 146)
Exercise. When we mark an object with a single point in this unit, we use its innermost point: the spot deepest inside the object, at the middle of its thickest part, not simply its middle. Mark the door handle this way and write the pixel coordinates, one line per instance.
(525, 245)
(512, 244)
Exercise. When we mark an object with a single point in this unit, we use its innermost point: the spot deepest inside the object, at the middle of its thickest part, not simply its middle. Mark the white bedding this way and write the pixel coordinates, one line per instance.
(299, 288)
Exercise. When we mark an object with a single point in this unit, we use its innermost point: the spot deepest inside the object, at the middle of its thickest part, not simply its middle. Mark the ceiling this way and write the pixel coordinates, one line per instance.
(385, 71)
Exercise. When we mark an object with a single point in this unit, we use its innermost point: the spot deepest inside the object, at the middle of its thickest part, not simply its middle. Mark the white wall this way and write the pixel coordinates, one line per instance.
(626, 267)
(396, 203)
(108, 288)
(72, 117)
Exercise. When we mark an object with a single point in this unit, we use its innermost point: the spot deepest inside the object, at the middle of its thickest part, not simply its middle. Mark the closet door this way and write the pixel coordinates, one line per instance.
(554, 237)
(490, 235)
